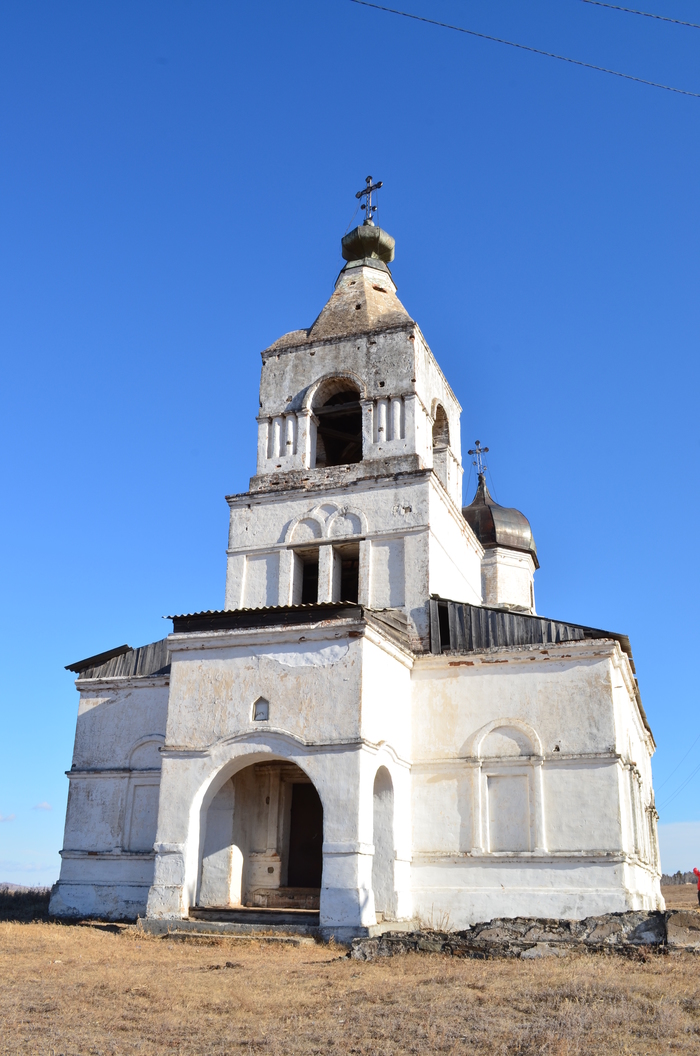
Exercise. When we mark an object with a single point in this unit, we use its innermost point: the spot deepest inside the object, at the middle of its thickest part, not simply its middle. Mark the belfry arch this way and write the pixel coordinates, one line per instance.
(441, 429)
(336, 406)
(262, 840)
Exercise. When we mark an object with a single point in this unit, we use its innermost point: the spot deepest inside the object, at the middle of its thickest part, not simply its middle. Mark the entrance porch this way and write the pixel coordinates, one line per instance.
(263, 842)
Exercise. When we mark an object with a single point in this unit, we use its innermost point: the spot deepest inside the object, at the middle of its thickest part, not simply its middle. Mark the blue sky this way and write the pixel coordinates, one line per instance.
(174, 183)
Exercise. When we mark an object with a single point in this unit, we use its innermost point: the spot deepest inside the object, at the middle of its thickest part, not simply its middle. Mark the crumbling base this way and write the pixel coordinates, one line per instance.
(632, 933)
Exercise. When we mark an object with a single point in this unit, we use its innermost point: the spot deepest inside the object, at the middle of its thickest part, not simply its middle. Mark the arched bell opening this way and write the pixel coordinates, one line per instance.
(263, 840)
(441, 429)
(383, 838)
(441, 443)
(339, 429)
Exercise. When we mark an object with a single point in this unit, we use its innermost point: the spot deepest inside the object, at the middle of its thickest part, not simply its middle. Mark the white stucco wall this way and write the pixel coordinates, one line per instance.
(554, 747)
(507, 578)
(107, 856)
(412, 542)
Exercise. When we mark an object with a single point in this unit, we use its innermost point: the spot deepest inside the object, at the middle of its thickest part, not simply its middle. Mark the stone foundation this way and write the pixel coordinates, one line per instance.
(631, 933)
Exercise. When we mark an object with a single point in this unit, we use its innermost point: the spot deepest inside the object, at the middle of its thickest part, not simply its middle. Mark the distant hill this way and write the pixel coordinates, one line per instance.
(21, 887)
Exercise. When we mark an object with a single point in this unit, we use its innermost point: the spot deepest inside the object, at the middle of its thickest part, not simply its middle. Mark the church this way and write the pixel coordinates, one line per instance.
(377, 731)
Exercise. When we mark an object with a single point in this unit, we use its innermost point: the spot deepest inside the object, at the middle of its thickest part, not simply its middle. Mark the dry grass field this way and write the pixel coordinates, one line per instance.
(680, 896)
(71, 990)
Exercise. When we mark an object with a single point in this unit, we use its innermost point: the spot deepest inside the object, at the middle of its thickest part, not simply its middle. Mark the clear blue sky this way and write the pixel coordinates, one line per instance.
(175, 179)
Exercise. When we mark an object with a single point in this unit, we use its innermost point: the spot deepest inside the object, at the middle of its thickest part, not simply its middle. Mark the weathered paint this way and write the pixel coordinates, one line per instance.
(511, 781)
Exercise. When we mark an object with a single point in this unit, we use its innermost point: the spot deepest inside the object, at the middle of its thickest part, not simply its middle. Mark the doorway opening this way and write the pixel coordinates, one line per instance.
(262, 841)
(305, 861)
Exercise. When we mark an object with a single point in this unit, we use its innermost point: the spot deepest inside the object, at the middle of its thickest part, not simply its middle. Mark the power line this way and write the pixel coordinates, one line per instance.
(680, 788)
(678, 765)
(526, 47)
(646, 14)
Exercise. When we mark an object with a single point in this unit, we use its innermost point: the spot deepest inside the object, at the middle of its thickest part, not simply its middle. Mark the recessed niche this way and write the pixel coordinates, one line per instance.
(261, 710)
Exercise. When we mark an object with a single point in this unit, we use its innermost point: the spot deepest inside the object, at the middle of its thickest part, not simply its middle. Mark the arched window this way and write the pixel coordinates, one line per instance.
(339, 430)
(441, 429)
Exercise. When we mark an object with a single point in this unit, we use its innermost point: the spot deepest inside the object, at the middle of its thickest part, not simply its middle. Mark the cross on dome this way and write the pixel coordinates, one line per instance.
(367, 206)
(479, 451)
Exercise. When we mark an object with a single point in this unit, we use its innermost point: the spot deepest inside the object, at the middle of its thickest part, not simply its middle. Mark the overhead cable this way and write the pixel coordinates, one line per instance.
(678, 765)
(526, 47)
(646, 14)
(680, 788)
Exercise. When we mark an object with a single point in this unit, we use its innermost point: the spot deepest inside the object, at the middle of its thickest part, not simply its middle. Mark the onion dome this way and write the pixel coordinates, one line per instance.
(496, 525)
(368, 243)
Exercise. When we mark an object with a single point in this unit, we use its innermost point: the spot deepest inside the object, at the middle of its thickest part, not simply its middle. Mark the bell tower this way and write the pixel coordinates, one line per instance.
(359, 458)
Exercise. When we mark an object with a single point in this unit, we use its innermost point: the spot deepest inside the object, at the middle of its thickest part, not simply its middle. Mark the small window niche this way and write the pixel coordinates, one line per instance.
(261, 710)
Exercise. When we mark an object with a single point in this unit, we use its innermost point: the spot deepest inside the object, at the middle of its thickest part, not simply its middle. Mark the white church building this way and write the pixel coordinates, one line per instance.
(377, 727)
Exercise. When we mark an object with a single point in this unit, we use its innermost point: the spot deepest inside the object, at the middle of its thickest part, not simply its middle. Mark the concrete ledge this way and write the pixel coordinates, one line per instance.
(198, 928)
(344, 934)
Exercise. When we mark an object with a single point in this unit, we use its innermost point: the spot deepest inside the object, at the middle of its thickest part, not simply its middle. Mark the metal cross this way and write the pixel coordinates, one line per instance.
(367, 206)
(479, 451)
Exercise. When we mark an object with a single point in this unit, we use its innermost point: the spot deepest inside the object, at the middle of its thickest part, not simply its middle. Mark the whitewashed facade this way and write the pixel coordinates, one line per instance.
(339, 733)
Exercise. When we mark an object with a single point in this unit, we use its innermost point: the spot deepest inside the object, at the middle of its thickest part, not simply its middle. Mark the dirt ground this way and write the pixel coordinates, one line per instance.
(81, 990)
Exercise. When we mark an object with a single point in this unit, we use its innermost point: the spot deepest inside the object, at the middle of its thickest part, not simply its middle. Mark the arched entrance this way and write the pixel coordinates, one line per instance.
(383, 862)
(262, 840)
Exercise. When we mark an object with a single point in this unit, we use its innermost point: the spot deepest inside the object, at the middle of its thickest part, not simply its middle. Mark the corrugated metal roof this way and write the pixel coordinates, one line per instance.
(392, 622)
(264, 608)
(275, 615)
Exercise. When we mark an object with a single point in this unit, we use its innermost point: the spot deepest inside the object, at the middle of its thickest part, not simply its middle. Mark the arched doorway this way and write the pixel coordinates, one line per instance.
(263, 840)
(383, 862)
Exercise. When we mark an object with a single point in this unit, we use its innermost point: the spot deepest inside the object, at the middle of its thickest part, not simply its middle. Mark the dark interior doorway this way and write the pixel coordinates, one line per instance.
(305, 838)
